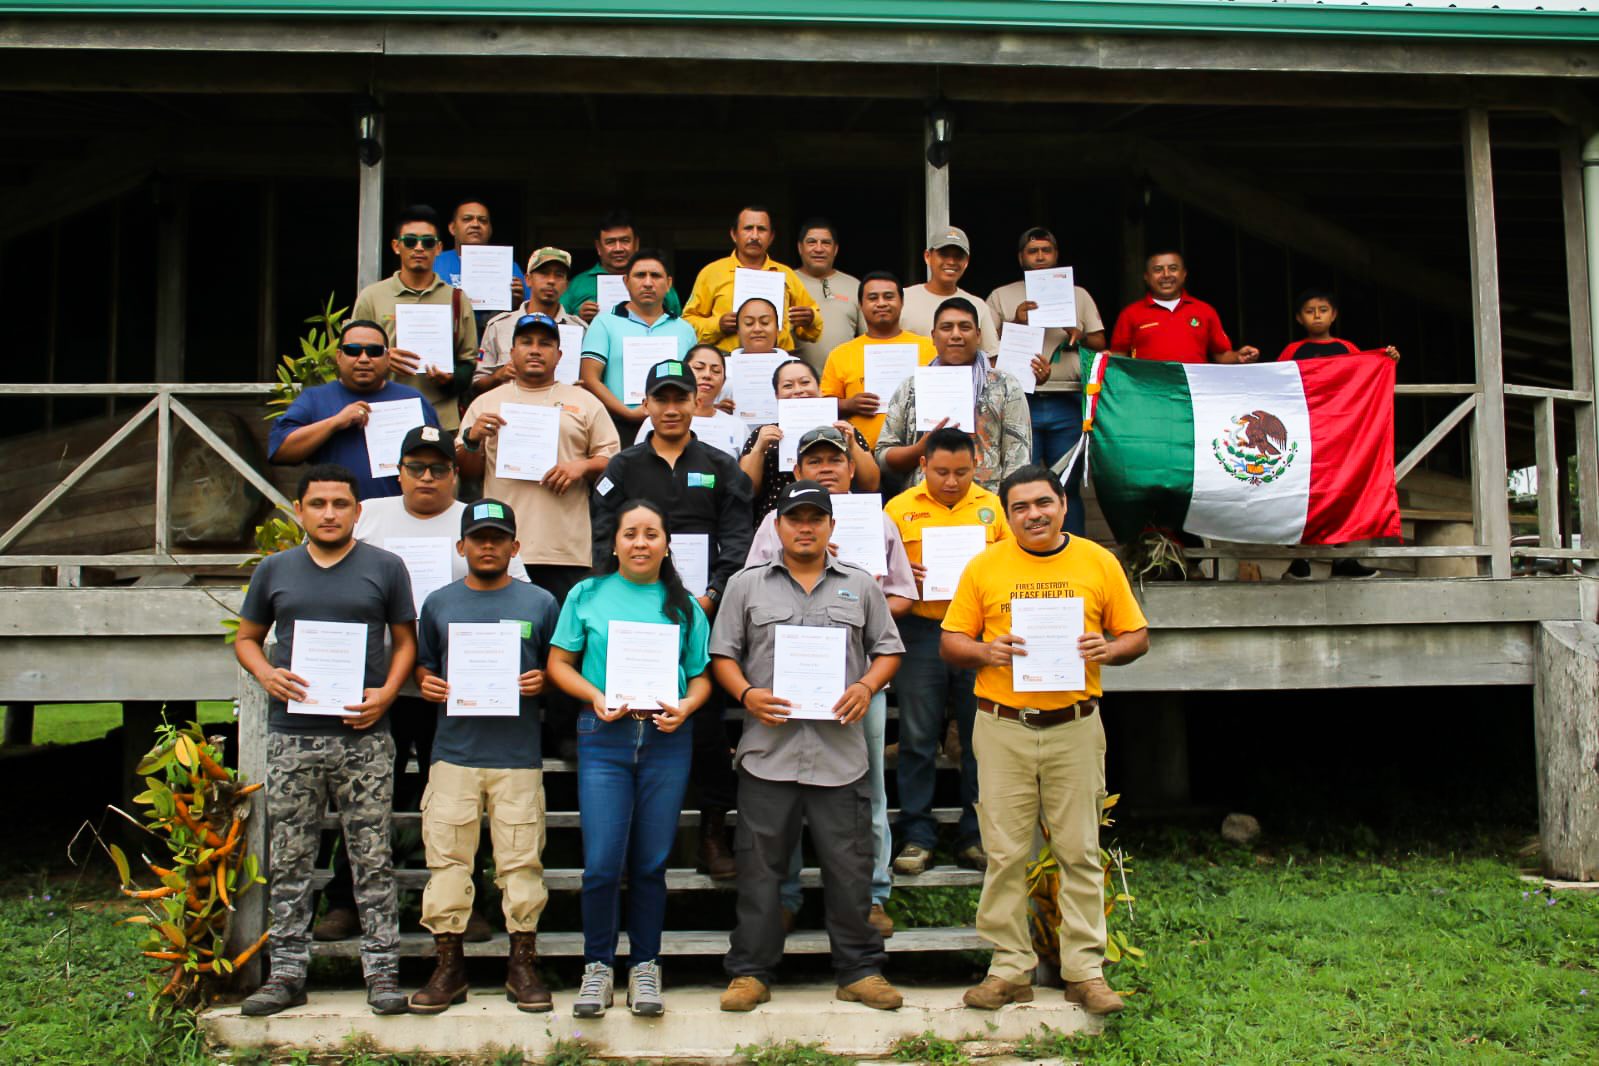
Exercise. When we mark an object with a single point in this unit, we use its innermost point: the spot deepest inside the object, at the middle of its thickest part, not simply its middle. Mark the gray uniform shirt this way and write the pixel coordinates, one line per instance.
(757, 601)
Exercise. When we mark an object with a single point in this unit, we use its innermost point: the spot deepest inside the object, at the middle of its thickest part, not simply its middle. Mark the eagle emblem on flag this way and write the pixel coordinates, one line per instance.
(1255, 449)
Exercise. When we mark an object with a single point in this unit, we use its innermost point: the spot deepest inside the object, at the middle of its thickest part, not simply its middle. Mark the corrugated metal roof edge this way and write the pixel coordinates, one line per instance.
(1140, 16)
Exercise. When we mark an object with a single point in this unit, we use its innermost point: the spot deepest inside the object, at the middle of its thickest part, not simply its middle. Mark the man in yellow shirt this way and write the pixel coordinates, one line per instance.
(946, 499)
(844, 376)
(710, 307)
(1041, 750)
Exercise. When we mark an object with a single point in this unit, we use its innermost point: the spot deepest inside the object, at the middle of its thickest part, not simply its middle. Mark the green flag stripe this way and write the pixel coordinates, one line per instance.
(1141, 449)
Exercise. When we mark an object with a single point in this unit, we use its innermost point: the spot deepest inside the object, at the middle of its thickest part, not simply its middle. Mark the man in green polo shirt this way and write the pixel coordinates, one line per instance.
(615, 244)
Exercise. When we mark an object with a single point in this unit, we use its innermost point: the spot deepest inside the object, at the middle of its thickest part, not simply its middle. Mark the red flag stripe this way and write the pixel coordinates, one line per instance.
(1352, 491)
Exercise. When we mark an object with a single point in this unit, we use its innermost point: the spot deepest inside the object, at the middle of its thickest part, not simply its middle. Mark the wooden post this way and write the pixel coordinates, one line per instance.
(1492, 511)
(19, 725)
(937, 188)
(172, 276)
(252, 918)
(369, 224)
(1583, 355)
(1566, 732)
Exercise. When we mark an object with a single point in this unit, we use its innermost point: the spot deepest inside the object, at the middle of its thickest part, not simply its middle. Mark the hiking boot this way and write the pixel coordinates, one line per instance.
(994, 992)
(1352, 568)
(1298, 570)
(1094, 996)
(383, 995)
(448, 983)
(972, 857)
(745, 993)
(874, 991)
(880, 921)
(912, 859)
(595, 994)
(522, 984)
(478, 929)
(715, 858)
(278, 993)
(644, 990)
(339, 923)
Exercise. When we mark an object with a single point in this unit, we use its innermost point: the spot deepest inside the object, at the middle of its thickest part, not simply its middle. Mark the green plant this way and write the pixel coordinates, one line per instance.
(934, 908)
(571, 1051)
(929, 1047)
(790, 1053)
(1047, 1043)
(1043, 887)
(1156, 555)
(316, 363)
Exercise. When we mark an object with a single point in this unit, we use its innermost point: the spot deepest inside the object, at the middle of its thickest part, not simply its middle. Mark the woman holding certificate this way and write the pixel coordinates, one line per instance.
(632, 644)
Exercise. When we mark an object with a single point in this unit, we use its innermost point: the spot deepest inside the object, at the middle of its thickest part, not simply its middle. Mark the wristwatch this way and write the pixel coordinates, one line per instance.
(467, 442)
(714, 595)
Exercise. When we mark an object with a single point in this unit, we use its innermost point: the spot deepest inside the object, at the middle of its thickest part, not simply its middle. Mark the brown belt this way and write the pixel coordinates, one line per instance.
(1037, 719)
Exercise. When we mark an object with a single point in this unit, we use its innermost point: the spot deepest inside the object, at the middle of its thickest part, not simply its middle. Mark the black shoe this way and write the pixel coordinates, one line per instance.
(1352, 568)
(278, 993)
(1298, 570)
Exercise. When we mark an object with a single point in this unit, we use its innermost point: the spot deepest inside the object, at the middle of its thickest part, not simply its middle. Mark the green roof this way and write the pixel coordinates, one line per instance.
(1551, 20)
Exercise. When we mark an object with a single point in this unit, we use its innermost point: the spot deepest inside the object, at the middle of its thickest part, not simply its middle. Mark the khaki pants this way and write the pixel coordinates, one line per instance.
(452, 811)
(1058, 773)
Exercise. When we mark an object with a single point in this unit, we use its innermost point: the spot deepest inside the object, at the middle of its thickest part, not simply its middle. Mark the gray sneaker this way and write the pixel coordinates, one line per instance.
(383, 995)
(278, 993)
(644, 990)
(595, 994)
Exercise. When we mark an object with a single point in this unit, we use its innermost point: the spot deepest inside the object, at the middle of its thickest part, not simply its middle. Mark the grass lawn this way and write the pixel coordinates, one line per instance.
(71, 723)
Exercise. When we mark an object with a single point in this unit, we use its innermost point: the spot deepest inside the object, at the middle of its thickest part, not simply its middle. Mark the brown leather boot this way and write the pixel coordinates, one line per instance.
(522, 984)
(715, 858)
(1094, 996)
(994, 992)
(448, 983)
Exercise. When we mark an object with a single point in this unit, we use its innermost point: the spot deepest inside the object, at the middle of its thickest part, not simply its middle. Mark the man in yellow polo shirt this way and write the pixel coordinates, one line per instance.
(882, 301)
(946, 507)
(710, 307)
(1041, 752)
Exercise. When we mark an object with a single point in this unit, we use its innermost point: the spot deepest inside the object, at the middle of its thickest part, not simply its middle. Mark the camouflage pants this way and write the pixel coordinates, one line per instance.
(357, 773)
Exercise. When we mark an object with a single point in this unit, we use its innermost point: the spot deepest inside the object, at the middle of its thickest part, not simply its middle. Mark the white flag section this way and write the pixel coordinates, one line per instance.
(1236, 416)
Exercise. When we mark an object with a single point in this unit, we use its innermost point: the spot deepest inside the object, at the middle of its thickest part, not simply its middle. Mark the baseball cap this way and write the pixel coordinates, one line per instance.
(548, 254)
(950, 236)
(804, 494)
(488, 514)
(828, 435)
(673, 372)
(535, 321)
(423, 437)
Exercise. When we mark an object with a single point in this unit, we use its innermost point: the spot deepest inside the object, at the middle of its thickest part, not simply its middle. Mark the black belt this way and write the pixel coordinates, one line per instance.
(1037, 719)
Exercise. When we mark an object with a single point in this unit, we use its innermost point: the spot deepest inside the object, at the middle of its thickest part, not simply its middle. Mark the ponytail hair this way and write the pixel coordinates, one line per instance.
(679, 604)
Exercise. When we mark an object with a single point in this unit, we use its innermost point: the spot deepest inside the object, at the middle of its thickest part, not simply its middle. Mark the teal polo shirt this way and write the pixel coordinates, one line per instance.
(605, 335)
(583, 288)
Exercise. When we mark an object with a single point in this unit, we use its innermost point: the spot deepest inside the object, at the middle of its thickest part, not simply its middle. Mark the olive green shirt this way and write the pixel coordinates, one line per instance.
(376, 303)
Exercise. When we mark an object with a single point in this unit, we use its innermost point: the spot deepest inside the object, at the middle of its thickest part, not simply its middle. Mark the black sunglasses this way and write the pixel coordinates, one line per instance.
(356, 351)
(413, 240)
(438, 470)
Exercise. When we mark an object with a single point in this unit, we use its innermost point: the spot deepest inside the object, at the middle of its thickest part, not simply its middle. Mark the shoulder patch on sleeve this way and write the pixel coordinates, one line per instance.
(604, 486)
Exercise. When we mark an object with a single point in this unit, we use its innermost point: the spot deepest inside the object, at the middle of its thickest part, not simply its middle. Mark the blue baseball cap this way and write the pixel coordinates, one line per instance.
(536, 321)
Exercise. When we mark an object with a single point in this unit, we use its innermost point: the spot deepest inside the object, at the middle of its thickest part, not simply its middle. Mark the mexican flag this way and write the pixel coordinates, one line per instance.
(1297, 452)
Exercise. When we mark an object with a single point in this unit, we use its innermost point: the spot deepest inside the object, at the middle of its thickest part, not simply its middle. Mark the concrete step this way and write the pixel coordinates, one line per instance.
(692, 1028)
(685, 819)
(569, 766)
(709, 942)
(686, 879)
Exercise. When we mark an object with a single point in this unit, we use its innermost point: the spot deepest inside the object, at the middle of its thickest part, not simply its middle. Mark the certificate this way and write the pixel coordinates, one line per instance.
(387, 423)
(527, 442)
(428, 332)
(1017, 347)
(945, 552)
(944, 392)
(691, 555)
(638, 355)
(610, 290)
(1056, 296)
(750, 378)
(1051, 628)
(566, 371)
(724, 434)
(887, 365)
(768, 285)
(858, 531)
(640, 665)
(809, 669)
(484, 664)
(797, 418)
(426, 559)
(331, 657)
(486, 276)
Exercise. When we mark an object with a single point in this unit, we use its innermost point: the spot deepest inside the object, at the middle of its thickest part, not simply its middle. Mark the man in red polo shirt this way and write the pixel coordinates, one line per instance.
(1170, 325)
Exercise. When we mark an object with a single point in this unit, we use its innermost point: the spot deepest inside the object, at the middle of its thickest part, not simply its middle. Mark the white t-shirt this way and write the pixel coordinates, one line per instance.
(921, 303)
(385, 516)
(722, 430)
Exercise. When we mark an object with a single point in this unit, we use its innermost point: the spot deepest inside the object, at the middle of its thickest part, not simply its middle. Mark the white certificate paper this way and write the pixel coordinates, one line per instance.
(858, 531)
(945, 552)
(331, 657)
(486, 276)
(566, 371)
(945, 392)
(1051, 628)
(886, 366)
(1056, 296)
(426, 559)
(638, 355)
(640, 665)
(428, 332)
(484, 664)
(527, 442)
(798, 417)
(387, 423)
(750, 378)
(724, 434)
(691, 555)
(768, 285)
(1017, 347)
(610, 290)
(808, 670)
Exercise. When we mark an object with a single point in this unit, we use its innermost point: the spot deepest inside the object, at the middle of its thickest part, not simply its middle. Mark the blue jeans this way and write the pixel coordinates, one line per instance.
(928, 687)
(630, 783)
(1057, 427)
(875, 723)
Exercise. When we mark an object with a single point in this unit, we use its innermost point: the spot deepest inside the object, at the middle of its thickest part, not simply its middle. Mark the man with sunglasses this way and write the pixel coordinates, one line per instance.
(416, 242)
(327, 423)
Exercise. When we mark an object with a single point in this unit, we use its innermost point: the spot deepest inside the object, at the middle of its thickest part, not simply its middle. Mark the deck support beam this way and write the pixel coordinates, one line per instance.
(1492, 511)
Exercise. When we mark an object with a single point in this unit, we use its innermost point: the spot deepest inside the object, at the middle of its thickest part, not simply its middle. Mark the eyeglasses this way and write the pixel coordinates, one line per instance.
(418, 240)
(438, 470)
(356, 351)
